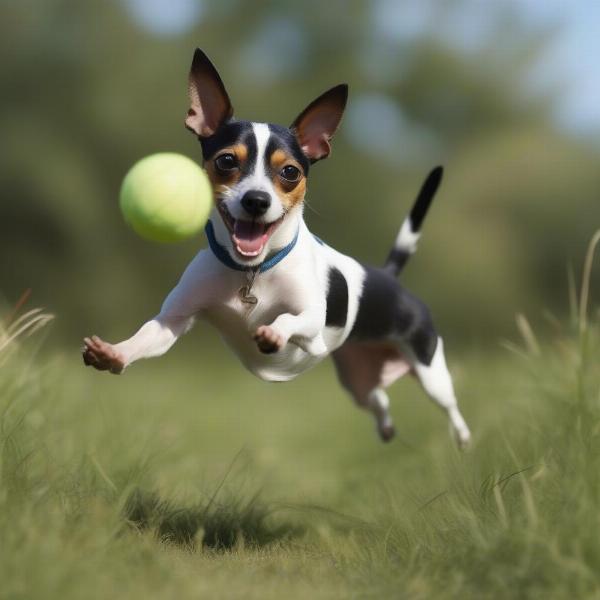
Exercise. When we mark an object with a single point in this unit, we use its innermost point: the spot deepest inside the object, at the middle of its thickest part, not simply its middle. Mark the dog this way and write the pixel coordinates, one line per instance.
(281, 298)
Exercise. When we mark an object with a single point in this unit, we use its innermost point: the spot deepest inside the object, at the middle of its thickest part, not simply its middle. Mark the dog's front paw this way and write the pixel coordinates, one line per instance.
(102, 356)
(268, 340)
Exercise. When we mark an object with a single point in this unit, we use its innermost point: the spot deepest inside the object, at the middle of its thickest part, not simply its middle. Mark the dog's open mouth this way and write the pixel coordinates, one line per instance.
(249, 237)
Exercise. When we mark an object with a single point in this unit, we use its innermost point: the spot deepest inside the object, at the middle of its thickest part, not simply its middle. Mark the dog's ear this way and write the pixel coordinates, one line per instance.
(210, 106)
(316, 124)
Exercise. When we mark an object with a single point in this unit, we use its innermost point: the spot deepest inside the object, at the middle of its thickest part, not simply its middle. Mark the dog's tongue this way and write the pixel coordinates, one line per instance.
(250, 237)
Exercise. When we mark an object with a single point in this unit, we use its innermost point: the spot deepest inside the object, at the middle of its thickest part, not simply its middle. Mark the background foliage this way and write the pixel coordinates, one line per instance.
(187, 477)
(86, 89)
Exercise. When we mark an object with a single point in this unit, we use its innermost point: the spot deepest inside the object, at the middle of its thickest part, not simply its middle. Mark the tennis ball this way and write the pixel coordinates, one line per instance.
(166, 197)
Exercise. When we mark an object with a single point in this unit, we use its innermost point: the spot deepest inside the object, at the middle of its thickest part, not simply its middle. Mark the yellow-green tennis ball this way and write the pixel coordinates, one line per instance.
(166, 197)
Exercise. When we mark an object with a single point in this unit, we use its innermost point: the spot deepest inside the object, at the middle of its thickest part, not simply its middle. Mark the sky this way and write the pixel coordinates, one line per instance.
(575, 58)
(571, 62)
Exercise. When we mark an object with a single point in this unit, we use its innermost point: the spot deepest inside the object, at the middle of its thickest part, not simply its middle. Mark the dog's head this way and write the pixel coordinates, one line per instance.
(258, 170)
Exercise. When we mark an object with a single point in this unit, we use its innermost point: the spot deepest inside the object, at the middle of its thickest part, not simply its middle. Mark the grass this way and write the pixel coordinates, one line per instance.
(187, 478)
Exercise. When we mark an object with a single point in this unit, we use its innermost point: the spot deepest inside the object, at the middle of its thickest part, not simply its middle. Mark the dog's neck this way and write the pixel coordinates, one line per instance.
(281, 238)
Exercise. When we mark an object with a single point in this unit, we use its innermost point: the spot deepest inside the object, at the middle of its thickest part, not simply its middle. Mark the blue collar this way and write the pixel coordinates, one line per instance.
(221, 253)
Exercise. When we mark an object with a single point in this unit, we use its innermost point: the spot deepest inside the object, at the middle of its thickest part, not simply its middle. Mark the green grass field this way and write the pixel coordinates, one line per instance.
(188, 478)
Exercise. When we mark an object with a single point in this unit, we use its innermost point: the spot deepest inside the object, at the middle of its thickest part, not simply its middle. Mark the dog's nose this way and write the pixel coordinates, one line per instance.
(256, 203)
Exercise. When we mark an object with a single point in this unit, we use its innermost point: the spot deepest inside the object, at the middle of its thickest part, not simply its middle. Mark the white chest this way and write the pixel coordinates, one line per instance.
(237, 321)
(297, 285)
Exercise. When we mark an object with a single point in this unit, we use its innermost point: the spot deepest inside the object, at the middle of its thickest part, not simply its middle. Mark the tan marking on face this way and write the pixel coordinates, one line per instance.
(279, 158)
(241, 152)
(221, 181)
(291, 193)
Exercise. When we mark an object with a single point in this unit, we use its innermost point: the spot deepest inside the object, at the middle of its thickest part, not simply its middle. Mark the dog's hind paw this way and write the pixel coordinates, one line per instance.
(462, 435)
(102, 356)
(386, 432)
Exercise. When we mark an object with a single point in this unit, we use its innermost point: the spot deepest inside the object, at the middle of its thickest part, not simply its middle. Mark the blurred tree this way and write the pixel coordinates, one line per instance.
(85, 91)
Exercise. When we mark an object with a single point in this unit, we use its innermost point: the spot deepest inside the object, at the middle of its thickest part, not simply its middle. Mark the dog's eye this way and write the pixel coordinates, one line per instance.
(226, 162)
(290, 173)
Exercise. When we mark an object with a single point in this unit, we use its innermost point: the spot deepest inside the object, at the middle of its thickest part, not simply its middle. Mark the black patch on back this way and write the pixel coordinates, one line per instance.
(387, 310)
(376, 317)
(337, 299)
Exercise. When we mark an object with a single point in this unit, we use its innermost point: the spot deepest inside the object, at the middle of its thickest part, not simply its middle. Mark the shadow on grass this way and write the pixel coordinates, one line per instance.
(219, 526)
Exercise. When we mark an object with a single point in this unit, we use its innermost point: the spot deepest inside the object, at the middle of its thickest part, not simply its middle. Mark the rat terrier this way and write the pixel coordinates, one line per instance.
(281, 298)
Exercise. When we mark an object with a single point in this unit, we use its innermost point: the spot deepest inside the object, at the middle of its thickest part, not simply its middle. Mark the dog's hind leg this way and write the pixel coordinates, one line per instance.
(365, 369)
(378, 403)
(437, 383)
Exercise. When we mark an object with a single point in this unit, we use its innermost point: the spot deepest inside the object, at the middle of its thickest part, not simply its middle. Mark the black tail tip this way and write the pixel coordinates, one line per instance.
(428, 190)
(435, 176)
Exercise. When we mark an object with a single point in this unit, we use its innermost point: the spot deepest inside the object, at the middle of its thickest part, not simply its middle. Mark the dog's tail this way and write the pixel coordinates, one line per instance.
(408, 236)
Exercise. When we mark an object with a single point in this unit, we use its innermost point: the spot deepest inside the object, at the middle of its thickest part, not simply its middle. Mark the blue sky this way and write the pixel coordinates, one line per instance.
(576, 57)
(571, 62)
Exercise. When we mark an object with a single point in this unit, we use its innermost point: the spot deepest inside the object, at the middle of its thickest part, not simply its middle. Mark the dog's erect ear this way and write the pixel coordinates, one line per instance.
(316, 124)
(210, 106)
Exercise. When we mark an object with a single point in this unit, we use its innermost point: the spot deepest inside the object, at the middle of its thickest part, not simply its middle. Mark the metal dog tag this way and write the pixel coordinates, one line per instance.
(245, 291)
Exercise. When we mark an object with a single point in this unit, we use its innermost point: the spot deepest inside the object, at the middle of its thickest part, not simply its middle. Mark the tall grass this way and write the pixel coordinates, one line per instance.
(67, 520)
(520, 518)
(101, 496)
